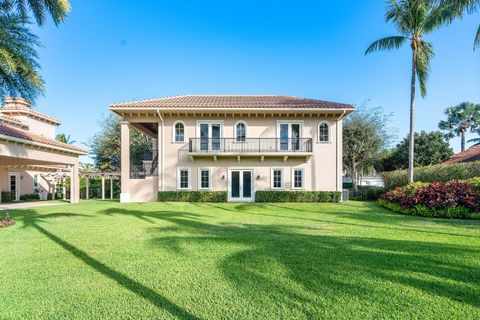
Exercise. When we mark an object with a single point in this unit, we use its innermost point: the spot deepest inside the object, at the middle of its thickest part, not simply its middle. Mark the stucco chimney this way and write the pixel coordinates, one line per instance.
(16, 102)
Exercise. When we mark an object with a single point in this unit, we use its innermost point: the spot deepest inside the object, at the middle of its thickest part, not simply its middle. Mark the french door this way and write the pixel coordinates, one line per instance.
(210, 136)
(240, 186)
(289, 134)
(13, 185)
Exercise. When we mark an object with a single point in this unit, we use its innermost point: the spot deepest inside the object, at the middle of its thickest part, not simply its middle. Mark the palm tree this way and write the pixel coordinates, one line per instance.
(40, 9)
(460, 119)
(87, 167)
(18, 58)
(468, 6)
(62, 137)
(414, 19)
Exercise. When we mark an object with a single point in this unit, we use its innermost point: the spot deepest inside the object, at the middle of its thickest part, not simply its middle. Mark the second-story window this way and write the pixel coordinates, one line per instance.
(240, 132)
(323, 132)
(179, 132)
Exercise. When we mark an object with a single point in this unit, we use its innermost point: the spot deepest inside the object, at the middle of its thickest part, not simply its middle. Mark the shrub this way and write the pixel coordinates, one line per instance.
(6, 197)
(297, 196)
(437, 173)
(366, 193)
(29, 197)
(193, 196)
(454, 199)
(347, 185)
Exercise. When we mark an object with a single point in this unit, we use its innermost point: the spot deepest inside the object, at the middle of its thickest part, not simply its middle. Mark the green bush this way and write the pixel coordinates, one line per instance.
(6, 197)
(437, 173)
(193, 196)
(366, 193)
(297, 196)
(423, 211)
(29, 197)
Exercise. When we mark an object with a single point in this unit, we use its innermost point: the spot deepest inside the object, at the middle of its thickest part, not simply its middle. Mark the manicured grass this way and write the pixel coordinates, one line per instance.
(216, 261)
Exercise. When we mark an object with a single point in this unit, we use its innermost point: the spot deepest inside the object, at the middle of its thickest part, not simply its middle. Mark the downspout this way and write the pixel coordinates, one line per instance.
(336, 149)
(162, 150)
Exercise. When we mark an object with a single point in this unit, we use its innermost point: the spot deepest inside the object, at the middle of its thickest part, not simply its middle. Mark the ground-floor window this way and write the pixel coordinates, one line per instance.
(183, 178)
(204, 179)
(297, 177)
(277, 178)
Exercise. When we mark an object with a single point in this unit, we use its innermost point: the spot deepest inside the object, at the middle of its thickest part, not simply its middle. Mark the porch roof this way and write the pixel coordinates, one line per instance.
(10, 133)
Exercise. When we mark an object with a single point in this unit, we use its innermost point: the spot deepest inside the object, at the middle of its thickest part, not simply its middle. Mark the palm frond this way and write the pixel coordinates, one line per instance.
(476, 43)
(40, 9)
(387, 43)
(423, 57)
(441, 15)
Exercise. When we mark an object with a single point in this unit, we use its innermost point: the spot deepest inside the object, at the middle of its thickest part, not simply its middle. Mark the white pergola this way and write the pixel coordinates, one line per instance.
(104, 176)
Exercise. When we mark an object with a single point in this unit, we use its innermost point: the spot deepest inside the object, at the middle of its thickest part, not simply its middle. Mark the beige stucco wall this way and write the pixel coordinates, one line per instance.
(38, 126)
(25, 179)
(322, 171)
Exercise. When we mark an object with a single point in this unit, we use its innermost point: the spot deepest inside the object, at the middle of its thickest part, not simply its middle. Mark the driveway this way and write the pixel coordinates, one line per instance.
(26, 205)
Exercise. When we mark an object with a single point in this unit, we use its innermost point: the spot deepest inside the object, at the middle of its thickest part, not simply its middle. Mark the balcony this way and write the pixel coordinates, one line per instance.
(148, 168)
(249, 147)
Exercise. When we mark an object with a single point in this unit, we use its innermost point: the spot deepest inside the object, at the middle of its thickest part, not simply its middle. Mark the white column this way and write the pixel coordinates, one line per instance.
(125, 161)
(111, 188)
(87, 187)
(74, 184)
(103, 187)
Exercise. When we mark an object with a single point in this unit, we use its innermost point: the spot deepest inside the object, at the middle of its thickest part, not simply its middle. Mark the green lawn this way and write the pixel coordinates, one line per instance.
(238, 261)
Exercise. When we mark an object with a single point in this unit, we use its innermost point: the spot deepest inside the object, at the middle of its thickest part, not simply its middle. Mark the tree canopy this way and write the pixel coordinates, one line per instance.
(430, 148)
(105, 145)
(460, 119)
(365, 136)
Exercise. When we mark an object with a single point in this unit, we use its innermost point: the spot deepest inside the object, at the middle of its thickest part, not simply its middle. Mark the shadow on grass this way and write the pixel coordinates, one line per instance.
(322, 265)
(32, 219)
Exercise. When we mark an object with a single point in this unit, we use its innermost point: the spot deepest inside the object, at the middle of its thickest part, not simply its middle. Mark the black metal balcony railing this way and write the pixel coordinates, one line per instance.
(249, 145)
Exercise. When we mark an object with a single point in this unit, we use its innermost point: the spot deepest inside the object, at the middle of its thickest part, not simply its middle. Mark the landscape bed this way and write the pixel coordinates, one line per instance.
(102, 259)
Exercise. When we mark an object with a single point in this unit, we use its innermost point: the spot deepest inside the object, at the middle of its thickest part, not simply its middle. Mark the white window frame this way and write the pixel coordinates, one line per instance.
(189, 178)
(329, 132)
(174, 135)
(293, 178)
(235, 130)
(279, 122)
(282, 179)
(199, 178)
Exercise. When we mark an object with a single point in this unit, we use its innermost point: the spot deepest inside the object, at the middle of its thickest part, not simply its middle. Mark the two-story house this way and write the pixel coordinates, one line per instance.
(237, 144)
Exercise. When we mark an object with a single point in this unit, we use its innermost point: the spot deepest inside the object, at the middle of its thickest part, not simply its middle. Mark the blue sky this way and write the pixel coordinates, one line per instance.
(111, 51)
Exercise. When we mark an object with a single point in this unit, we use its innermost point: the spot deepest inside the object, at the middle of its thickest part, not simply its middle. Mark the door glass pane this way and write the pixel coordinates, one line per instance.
(204, 136)
(295, 136)
(247, 184)
(215, 137)
(284, 136)
(13, 187)
(235, 184)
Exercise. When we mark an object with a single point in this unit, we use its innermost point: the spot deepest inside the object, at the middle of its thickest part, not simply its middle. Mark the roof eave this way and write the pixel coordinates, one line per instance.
(43, 145)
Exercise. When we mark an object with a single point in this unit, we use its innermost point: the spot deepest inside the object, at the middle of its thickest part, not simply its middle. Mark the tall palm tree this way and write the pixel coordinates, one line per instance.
(87, 167)
(62, 137)
(414, 19)
(18, 58)
(40, 9)
(460, 119)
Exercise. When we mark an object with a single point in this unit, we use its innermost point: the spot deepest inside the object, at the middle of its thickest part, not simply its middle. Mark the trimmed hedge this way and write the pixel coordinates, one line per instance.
(29, 197)
(6, 197)
(366, 193)
(297, 196)
(437, 173)
(193, 196)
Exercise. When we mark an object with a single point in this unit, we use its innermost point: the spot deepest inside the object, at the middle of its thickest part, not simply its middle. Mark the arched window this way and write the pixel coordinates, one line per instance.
(323, 132)
(179, 132)
(240, 132)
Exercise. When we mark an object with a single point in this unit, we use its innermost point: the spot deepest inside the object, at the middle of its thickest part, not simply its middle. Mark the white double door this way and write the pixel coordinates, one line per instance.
(240, 185)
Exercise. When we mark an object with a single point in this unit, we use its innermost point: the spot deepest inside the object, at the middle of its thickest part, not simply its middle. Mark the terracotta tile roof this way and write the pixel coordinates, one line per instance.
(231, 101)
(470, 155)
(10, 132)
(22, 110)
(13, 121)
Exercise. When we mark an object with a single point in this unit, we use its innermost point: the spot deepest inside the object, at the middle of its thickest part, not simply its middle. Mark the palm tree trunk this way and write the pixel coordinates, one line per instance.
(411, 138)
(462, 135)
